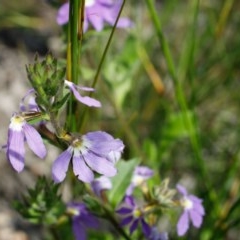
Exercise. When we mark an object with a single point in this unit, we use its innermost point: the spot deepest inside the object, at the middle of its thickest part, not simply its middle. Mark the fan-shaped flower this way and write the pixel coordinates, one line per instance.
(192, 211)
(89, 153)
(133, 215)
(19, 131)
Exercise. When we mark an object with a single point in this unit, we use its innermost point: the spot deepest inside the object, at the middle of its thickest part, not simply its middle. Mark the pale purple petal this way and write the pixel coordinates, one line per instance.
(197, 205)
(31, 105)
(195, 199)
(60, 165)
(104, 144)
(100, 165)
(183, 224)
(81, 170)
(95, 20)
(34, 141)
(143, 171)
(130, 189)
(124, 23)
(182, 190)
(99, 136)
(100, 184)
(91, 102)
(63, 12)
(129, 200)
(88, 89)
(15, 149)
(106, 147)
(196, 218)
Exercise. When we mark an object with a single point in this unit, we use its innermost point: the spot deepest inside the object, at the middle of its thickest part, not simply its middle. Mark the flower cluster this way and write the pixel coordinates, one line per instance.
(96, 13)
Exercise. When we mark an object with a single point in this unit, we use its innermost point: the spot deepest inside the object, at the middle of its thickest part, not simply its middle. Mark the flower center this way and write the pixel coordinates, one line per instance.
(137, 180)
(89, 3)
(81, 145)
(17, 123)
(187, 203)
(137, 213)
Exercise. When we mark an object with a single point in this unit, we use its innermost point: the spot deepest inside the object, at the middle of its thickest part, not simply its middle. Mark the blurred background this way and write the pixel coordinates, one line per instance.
(141, 102)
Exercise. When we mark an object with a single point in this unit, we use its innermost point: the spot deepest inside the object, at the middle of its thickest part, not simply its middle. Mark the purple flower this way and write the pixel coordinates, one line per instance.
(193, 210)
(140, 175)
(89, 153)
(91, 102)
(96, 13)
(100, 184)
(132, 215)
(82, 219)
(19, 131)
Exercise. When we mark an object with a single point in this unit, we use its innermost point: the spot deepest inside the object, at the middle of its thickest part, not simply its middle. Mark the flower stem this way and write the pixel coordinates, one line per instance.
(73, 55)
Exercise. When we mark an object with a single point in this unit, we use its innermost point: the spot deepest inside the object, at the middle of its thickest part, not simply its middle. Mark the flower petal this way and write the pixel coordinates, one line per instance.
(134, 225)
(94, 17)
(146, 228)
(81, 170)
(183, 224)
(100, 184)
(182, 190)
(100, 165)
(60, 165)
(124, 210)
(197, 204)
(63, 12)
(196, 218)
(34, 141)
(15, 149)
(79, 230)
(91, 102)
(126, 221)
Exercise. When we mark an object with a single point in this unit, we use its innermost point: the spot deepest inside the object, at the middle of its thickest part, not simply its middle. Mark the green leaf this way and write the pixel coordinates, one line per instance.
(122, 180)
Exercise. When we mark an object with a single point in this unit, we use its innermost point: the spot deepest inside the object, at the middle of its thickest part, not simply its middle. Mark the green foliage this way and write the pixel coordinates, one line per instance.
(42, 204)
(47, 78)
(122, 180)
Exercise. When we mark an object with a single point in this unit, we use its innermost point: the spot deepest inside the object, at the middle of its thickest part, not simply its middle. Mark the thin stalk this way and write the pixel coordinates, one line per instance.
(74, 26)
(73, 57)
(96, 78)
(181, 99)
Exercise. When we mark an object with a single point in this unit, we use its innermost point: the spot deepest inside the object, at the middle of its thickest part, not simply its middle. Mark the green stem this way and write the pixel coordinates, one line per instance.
(74, 26)
(73, 57)
(189, 123)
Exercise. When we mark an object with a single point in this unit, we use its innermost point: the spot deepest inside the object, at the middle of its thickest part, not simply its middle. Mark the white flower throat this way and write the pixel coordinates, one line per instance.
(187, 203)
(89, 3)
